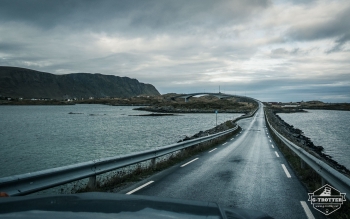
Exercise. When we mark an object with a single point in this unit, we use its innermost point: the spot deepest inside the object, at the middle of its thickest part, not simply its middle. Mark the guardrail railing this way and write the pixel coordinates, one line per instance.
(33, 182)
(329, 174)
(27, 183)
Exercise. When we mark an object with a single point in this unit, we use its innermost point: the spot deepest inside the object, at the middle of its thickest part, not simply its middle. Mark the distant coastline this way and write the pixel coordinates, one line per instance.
(302, 107)
(164, 104)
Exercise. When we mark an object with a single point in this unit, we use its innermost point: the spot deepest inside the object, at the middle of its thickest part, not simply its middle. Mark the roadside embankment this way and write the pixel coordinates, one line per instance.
(219, 128)
(297, 137)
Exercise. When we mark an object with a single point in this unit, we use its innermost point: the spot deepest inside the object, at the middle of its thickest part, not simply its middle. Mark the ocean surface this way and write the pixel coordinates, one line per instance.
(34, 138)
(327, 128)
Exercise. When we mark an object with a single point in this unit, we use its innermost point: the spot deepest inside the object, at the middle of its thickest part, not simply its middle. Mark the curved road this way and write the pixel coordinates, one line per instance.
(245, 172)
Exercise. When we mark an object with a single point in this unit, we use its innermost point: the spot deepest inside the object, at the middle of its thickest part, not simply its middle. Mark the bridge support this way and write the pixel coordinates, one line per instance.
(92, 182)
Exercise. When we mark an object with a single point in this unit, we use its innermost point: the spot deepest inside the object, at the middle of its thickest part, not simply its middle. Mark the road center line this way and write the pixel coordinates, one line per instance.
(277, 154)
(189, 162)
(212, 150)
(307, 210)
(272, 146)
(286, 171)
(140, 187)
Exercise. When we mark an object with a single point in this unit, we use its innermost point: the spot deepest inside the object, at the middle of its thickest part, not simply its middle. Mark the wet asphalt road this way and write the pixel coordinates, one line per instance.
(245, 172)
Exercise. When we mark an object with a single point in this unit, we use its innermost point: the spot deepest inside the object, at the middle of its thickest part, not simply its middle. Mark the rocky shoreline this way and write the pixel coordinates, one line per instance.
(35, 102)
(219, 128)
(168, 109)
(297, 137)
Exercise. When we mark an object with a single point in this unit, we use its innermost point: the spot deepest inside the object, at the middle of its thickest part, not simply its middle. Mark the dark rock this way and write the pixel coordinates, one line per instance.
(319, 148)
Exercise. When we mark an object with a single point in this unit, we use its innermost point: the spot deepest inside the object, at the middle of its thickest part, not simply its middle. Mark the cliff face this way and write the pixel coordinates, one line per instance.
(26, 83)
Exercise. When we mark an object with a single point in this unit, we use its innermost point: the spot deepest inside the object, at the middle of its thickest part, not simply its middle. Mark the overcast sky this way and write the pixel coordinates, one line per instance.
(270, 50)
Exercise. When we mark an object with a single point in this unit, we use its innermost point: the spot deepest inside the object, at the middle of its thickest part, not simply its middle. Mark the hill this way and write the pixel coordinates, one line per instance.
(27, 83)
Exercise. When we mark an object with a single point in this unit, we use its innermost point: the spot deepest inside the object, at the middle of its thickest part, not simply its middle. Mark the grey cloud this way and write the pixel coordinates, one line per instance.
(279, 53)
(130, 17)
(337, 27)
(302, 1)
(340, 42)
(284, 53)
(8, 47)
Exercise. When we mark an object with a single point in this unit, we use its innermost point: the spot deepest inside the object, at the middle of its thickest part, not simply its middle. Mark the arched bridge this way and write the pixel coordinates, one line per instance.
(218, 95)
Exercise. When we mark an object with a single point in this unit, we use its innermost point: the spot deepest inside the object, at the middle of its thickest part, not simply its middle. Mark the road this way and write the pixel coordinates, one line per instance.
(245, 172)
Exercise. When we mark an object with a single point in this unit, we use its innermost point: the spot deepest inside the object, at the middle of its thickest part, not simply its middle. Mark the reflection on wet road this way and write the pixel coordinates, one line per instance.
(247, 171)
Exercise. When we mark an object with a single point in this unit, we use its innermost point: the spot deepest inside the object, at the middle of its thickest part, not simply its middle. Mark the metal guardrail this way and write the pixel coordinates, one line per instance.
(24, 184)
(27, 183)
(329, 174)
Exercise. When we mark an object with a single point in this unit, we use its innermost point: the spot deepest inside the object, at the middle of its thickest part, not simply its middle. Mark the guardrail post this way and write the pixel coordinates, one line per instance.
(153, 163)
(92, 182)
(302, 164)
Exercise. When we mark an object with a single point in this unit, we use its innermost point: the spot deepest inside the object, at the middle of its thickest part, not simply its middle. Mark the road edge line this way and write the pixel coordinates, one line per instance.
(140, 187)
(307, 210)
(189, 162)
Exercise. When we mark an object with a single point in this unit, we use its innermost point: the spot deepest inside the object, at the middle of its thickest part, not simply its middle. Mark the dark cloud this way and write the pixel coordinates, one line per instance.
(9, 47)
(336, 26)
(130, 17)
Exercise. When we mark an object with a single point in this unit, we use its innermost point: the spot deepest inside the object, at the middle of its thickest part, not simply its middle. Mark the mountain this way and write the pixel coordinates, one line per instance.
(26, 83)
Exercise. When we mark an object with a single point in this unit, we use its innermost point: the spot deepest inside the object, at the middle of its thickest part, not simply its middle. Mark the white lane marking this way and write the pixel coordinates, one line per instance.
(140, 187)
(232, 138)
(307, 210)
(212, 150)
(224, 143)
(268, 136)
(286, 171)
(272, 146)
(277, 154)
(189, 162)
(270, 140)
